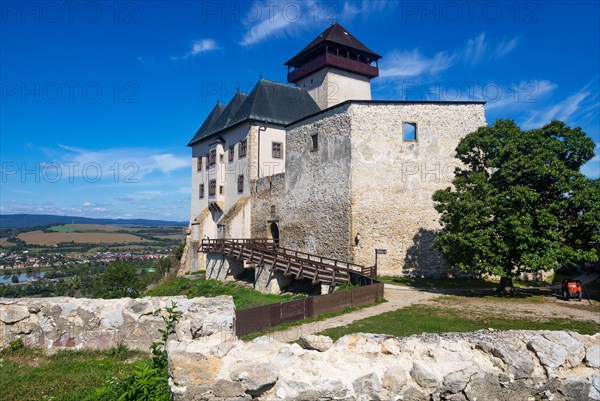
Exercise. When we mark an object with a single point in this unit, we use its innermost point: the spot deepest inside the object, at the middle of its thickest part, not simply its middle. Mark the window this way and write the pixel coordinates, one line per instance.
(314, 142)
(199, 164)
(220, 189)
(231, 153)
(212, 187)
(409, 131)
(212, 157)
(277, 149)
(201, 191)
(243, 148)
(221, 158)
(240, 183)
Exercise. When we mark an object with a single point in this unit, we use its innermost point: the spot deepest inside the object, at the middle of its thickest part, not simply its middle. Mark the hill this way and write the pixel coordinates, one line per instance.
(40, 220)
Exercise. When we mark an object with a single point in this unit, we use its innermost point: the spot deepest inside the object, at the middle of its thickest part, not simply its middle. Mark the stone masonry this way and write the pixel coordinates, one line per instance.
(76, 323)
(483, 365)
(365, 187)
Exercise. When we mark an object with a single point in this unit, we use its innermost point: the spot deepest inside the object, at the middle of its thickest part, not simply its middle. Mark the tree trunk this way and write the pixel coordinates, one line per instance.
(505, 287)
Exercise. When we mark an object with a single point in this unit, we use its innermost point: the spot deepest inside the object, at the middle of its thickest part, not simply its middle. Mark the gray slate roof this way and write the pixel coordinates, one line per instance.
(269, 101)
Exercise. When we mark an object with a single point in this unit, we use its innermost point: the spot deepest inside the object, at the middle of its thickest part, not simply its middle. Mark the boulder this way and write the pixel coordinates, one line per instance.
(318, 343)
(254, 378)
(12, 314)
(423, 375)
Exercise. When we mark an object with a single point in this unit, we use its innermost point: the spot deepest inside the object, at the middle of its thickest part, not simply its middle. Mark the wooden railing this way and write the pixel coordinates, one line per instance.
(263, 317)
(292, 262)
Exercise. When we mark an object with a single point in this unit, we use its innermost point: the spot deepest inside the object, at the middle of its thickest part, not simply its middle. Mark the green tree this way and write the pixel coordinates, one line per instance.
(119, 280)
(520, 204)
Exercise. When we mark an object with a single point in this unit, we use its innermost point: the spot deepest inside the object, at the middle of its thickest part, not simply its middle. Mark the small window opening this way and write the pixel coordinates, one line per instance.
(409, 131)
(220, 189)
(277, 150)
(314, 144)
(240, 183)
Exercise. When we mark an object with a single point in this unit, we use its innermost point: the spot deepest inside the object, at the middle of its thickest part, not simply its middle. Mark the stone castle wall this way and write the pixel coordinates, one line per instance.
(76, 323)
(315, 211)
(366, 187)
(393, 180)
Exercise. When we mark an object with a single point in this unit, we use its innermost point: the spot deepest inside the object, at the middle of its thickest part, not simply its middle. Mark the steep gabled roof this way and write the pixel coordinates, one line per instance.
(219, 119)
(276, 103)
(209, 122)
(269, 101)
(335, 34)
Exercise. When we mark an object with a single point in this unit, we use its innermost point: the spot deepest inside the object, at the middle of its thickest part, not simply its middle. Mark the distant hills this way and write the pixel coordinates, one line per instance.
(37, 220)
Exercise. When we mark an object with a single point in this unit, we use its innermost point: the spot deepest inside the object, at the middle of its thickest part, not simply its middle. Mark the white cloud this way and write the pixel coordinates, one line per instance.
(521, 95)
(198, 46)
(506, 46)
(88, 204)
(401, 64)
(265, 29)
(364, 8)
(475, 49)
(203, 45)
(281, 19)
(412, 63)
(562, 110)
(124, 164)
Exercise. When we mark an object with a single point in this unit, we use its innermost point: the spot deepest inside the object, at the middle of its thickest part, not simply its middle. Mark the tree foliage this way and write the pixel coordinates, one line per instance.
(118, 281)
(520, 204)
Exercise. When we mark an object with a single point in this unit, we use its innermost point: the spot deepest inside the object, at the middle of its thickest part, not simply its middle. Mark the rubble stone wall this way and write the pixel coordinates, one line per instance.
(77, 323)
(483, 365)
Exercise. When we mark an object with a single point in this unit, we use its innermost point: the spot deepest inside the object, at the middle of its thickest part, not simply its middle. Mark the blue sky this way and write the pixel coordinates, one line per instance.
(100, 98)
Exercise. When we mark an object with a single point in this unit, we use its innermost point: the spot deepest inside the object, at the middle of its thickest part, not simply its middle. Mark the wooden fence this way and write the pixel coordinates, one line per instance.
(263, 317)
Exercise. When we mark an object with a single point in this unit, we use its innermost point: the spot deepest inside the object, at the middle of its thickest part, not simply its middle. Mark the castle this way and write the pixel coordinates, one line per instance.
(320, 167)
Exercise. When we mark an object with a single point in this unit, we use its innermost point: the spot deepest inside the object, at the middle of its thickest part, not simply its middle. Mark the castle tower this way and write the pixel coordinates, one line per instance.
(334, 67)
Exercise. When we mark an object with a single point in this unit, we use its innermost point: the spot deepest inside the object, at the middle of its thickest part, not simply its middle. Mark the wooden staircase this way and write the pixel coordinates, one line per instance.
(300, 265)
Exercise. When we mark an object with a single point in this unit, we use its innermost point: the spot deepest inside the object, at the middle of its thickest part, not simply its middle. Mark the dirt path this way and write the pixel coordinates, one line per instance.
(397, 297)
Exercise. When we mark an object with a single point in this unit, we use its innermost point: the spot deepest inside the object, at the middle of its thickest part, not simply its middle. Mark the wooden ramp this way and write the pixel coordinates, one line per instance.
(300, 265)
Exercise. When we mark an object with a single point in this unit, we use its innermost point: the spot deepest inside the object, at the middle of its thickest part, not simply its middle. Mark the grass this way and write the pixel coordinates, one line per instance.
(27, 374)
(418, 319)
(243, 297)
(284, 326)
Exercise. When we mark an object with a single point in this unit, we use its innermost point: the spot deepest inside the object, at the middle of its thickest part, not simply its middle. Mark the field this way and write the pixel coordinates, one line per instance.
(53, 238)
(70, 228)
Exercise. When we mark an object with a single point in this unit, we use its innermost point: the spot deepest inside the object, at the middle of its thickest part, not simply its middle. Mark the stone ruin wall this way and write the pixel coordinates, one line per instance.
(207, 361)
(393, 180)
(483, 365)
(80, 323)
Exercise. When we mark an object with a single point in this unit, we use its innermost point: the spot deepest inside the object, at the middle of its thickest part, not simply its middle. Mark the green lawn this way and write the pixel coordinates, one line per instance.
(243, 297)
(419, 319)
(30, 375)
